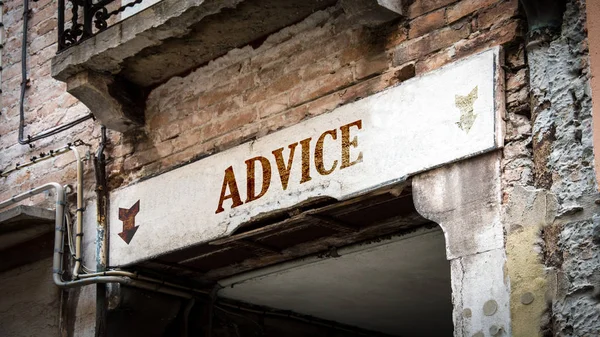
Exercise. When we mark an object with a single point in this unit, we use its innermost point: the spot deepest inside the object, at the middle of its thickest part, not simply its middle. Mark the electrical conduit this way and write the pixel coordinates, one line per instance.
(78, 280)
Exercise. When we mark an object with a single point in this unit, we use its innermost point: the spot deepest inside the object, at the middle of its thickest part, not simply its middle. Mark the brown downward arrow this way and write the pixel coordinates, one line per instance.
(128, 218)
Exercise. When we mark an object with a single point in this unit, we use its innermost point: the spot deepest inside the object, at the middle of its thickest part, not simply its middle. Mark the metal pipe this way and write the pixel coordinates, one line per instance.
(35, 160)
(57, 264)
(136, 276)
(79, 221)
(25, 83)
(61, 23)
(111, 276)
(101, 234)
(102, 204)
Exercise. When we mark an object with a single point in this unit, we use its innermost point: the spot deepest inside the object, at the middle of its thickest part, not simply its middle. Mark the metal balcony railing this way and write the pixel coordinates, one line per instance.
(82, 19)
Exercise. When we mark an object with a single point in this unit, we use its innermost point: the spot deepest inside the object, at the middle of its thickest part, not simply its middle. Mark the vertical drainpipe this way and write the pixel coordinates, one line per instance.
(102, 235)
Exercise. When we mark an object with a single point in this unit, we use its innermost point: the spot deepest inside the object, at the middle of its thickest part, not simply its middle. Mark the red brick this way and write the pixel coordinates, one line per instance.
(370, 66)
(227, 91)
(398, 74)
(433, 62)
(363, 89)
(286, 118)
(269, 73)
(420, 7)
(396, 37)
(168, 131)
(198, 118)
(262, 93)
(318, 50)
(439, 39)
(182, 109)
(185, 155)
(46, 26)
(499, 36)
(40, 14)
(515, 57)
(496, 15)
(516, 81)
(273, 105)
(283, 84)
(120, 150)
(140, 159)
(236, 137)
(351, 53)
(321, 86)
(323, 67)
(41, 42)
(237, 119)
(186, 139)
(426, 23)
(325, 104)
(466, 7)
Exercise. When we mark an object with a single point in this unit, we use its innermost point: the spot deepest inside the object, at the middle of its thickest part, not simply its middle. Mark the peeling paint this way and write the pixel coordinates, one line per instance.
(465, 105)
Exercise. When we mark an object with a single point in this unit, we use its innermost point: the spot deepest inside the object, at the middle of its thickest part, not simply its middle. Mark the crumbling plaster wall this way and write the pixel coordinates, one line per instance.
(549, 216)
(563, 154)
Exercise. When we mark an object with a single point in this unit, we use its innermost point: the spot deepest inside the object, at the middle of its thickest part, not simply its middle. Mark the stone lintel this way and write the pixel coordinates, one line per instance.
(115, 104)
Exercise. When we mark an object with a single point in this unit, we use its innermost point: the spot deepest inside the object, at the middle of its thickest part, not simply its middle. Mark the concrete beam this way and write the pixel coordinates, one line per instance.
(24, 223)
(174, 37)
(465, 200)
(115, 104)
(374, 12)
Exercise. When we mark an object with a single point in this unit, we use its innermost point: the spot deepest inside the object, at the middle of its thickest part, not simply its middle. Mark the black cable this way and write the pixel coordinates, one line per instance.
(24, 83)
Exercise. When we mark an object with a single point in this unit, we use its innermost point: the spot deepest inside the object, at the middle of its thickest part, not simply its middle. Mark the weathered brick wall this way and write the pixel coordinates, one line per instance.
(47, 104)
(302, 71)
(306, 70)
(299, 72)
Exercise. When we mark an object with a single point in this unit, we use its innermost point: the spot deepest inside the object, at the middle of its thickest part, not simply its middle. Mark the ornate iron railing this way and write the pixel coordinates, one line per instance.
(85, 18)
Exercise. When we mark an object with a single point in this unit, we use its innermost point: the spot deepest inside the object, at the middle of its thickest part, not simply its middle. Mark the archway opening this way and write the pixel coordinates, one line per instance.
(397, 285)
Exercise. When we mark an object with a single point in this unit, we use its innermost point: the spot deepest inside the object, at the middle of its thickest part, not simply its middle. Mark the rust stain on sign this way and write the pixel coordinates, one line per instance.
(465, 105)
(128, 218)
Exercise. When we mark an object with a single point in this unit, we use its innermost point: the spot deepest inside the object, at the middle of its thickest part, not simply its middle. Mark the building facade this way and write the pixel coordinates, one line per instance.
(299, 168)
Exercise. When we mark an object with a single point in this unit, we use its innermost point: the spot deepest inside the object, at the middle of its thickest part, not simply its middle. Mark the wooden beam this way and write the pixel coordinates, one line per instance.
(332, 223)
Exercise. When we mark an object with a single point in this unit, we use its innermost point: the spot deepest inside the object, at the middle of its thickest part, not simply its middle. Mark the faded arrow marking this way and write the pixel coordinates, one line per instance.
(128, 218)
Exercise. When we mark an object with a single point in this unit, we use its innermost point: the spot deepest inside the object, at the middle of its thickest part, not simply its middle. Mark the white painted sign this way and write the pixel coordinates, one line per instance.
(441, 117)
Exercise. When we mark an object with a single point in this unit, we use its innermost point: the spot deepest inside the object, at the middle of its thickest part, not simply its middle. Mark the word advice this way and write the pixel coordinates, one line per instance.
(230, 189)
